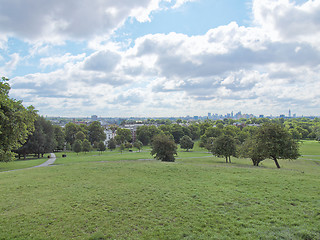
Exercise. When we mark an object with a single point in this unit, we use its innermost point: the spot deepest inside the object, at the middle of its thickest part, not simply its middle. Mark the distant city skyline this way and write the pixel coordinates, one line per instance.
(162, 57)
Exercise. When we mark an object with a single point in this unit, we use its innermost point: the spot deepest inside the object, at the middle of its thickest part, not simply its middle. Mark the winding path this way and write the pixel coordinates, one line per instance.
(51, 160)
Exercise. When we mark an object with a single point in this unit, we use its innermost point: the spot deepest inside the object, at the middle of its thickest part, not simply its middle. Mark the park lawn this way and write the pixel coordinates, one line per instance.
(193, 198)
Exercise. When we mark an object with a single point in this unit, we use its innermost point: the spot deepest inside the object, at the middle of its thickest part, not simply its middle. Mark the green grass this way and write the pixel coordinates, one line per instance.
(92, 196)
(21, 164)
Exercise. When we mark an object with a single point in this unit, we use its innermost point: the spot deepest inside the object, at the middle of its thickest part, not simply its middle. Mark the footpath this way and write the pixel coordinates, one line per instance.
(50, 161)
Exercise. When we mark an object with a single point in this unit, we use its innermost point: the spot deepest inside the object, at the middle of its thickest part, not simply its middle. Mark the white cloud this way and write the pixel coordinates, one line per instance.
(259, 69)
(10, 65)
(59, 20)
(61, 60)
(286, 21)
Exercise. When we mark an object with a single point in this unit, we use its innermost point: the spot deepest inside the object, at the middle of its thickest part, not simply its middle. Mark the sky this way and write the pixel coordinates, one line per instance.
(162, 58)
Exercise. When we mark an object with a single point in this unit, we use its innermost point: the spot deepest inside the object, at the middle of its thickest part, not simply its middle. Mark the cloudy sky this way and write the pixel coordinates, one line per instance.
(152, 58)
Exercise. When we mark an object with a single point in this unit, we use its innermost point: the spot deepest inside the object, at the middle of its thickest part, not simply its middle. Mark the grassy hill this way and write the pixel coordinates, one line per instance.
(131, 196)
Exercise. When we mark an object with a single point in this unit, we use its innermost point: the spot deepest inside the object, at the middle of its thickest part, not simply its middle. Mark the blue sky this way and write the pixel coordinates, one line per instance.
(152, 58)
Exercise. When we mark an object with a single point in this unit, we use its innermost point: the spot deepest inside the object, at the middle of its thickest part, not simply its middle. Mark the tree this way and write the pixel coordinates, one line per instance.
(16, 122)
(138, 144)
(59, 137)
(186, 142)
(112, 144)
(128, 145)
(123, 135)
(276, 143)
(122, 147)
(164, 148)
(177, 132)
(101, 147)
(86, 146)
(96, 132)
(251, 149)
(77, 146)
(225, 146)
(42, 139)
(80, 136)
(70, 131)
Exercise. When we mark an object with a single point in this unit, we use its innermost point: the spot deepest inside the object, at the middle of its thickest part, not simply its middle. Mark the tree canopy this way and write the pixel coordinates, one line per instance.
(163, 148)
(224, 146)
(186, 142)
(275, 142)
(16, 122)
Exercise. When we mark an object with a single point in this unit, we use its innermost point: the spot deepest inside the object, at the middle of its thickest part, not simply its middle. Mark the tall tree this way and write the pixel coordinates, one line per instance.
(186, 143)
(112, 144)
(163, 148)
(123, 135)
(77, 146)
(42, 139)
(224, 146)
(16, 122)
(101, 147)
(138, 144)
(86, 146)
(251, 149)
(59, 137)
(70, 131)
(96, 132)
(276, 143)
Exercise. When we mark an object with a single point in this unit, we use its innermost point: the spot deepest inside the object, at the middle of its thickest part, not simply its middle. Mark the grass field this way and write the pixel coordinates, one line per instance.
(131, 196)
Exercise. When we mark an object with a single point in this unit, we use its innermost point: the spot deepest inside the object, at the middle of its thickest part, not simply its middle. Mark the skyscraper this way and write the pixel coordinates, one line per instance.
(289, 113)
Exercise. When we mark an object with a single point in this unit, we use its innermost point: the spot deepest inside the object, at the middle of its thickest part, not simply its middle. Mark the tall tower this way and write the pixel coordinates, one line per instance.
(289, 113)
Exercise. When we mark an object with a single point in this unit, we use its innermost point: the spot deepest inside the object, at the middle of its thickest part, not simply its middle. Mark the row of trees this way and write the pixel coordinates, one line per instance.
(269, 141)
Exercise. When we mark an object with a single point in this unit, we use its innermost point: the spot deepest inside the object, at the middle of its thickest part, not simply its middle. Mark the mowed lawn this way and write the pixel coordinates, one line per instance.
(131, 196)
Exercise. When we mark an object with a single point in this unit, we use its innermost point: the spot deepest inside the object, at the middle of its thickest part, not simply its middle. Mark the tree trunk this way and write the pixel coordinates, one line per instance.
(276, 162)
(229, 159)
(226, 159)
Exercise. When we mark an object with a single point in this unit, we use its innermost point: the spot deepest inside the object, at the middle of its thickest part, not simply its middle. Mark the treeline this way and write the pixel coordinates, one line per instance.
(47, 138)
(269, 139)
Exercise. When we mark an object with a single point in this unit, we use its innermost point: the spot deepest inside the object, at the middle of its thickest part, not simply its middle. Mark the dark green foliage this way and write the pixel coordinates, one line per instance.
(186, 143)
(101, 146)
(122, 147)
(86, 146)
(16, 122)
(138, 144)
(163, 148)
(123, 135)
(128, 145)
(251, 149)
(59, 137)
(77, 146)
(96, 132)
(276, 142)
(224, 146)
(80, 136)
(112, 144)
(70, 131)
(177, 132)
(42, 139)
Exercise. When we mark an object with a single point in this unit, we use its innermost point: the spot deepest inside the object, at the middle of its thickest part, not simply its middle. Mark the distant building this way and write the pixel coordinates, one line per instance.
(289, 113)
(94, 118)
(261, 116)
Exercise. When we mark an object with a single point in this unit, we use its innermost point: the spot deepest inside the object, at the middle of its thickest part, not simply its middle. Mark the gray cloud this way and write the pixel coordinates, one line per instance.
(104, 61)
(37, 19)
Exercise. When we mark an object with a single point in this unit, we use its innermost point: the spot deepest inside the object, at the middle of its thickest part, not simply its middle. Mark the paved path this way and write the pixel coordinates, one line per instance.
(47, 163)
